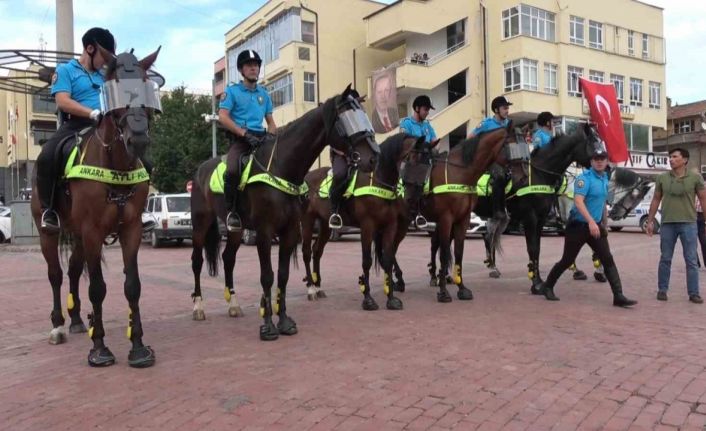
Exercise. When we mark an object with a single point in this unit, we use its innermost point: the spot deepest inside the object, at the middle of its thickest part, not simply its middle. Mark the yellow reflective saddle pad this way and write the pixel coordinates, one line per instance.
(216, 181)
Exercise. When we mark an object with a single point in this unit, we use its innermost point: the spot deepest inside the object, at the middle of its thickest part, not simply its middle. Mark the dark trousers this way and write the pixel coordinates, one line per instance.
(339, 169)
(238, 147)
(576, 235)
(48, 159)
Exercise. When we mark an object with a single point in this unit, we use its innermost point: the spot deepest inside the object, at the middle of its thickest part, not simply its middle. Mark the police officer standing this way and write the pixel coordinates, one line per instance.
(243, 107)
(543, 135)
(76, 88)
(501, 110)
(587, 225)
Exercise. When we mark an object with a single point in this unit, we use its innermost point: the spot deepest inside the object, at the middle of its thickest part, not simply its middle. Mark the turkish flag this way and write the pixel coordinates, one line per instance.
(605, 112)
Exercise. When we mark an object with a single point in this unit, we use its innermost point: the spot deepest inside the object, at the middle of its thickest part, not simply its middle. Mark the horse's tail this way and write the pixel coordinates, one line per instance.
(295, 256)
(66, 246)
(377, 252)
(495, 228)
(498, 222)
(212, 245)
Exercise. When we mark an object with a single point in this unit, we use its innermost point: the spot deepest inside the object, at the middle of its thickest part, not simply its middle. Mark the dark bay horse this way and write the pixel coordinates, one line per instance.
(275, 210)
(534, 187)
(105, 194)
(374, 207)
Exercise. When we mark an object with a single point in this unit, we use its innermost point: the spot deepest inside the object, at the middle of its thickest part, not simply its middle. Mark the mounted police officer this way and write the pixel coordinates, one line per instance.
(76, 88)
(501, 109)
(543, 135)
(417, 124)
(242, 109)
(587, 224)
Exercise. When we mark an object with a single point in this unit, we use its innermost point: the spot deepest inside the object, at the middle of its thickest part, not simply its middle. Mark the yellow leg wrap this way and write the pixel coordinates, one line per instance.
(386, 284)
(314, 277)
(457, 274)
(530, 275)
(277, 303)
(362, 288)
(262, 311)
(226, 294)
(572, 267)
(128, 333)
(70, 302)
(90, 332)
(597, 263)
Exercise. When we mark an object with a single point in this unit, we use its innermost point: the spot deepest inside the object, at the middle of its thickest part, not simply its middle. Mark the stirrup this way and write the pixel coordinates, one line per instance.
(335, 221)
(420, 221)
(48, 226)
(233, 223)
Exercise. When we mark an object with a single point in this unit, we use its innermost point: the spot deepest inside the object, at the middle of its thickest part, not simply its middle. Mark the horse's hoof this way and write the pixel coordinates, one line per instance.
(311, 296)
(78, 328)
(57, 336)
(268, 332)
(449, 280)
(235, 311)
(287, 326)
(600, 277)
(101, 357)
(198, 315)
(464, 294)
(393, 304)
(320, 294)
(580, 275)
(142, 357)
(433, 282)
(536, 290)
(369, 304)
(443, 296)
(494, 274)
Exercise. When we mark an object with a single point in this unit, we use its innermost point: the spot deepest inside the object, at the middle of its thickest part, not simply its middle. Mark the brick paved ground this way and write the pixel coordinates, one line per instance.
(506, 360)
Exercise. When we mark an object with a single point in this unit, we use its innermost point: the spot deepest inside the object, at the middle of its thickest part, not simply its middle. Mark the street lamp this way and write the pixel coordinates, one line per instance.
(213, 119)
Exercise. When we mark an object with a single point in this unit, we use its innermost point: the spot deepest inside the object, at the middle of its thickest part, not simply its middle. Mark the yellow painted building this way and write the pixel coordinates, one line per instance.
(472, 50)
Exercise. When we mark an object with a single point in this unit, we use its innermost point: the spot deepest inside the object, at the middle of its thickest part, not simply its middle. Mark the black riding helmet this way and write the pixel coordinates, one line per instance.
(499, 102)
(544, 118)
(422, 101)
(98, 36)
(248, 56)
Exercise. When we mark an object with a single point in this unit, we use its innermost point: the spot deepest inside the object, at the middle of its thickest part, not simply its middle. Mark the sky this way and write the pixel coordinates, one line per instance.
(191, 33)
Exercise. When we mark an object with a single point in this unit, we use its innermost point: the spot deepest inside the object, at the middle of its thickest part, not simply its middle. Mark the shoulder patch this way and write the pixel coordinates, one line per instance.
(260, 100)
(53, 78)
(580, 183)
(223, 96)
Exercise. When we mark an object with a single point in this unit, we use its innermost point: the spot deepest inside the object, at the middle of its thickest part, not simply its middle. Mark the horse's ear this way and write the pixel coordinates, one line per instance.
(148, 61)
(347, 91)
(108, 56)
(435, 142)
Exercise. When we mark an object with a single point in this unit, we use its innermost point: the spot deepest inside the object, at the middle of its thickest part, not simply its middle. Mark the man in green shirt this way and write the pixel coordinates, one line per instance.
(677, 190)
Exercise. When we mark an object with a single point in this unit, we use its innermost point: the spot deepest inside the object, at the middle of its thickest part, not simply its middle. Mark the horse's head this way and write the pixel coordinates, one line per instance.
(129, 98)
(416, 166)
(588, 141)
(355, 136)
(626, 190)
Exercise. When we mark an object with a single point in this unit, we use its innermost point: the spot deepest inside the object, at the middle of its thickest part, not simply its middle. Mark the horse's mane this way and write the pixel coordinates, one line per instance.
(390, 150)
(555, 144)
(470, 146)
(295, 127)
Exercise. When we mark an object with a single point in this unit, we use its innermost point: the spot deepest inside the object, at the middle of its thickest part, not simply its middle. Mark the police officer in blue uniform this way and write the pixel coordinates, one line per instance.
(76, 88)
(543, 135)
(501, 110)
(417, 124)
(587, 225)
(242, 109)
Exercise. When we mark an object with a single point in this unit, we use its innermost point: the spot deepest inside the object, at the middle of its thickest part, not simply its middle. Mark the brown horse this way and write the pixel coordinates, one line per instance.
(91, 208)
(374, 207)
(452, 198)
(274, 209)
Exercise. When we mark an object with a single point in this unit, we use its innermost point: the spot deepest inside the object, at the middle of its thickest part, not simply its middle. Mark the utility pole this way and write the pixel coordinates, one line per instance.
(213, 119)
(65, 25)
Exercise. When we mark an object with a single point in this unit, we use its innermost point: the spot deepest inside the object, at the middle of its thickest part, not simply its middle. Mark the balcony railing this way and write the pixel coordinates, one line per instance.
(429, 61)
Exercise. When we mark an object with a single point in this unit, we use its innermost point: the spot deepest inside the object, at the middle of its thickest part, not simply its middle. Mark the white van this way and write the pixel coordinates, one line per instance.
(172, 214)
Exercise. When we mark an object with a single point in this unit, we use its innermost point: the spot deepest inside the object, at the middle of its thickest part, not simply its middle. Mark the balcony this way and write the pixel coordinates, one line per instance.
(288, 58)
(391, 26)
(426, 75)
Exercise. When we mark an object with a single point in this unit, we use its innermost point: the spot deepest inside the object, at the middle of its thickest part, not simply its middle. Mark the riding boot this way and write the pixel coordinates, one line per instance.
(335, 196)
(50, 219)
(619, 300)
(230, 186)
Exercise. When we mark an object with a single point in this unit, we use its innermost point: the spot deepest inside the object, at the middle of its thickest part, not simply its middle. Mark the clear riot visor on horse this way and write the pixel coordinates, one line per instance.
(354, 121)
(130, 93)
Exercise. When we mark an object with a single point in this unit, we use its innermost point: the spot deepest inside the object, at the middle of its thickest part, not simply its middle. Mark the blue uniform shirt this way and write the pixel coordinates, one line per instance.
(83, 86)
(414, 128)
(247, 107)
(594, 188)
(541, 138)
(489, 124)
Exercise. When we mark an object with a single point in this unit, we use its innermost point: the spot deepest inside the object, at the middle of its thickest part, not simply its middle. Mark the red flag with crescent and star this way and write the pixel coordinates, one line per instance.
(605, 112)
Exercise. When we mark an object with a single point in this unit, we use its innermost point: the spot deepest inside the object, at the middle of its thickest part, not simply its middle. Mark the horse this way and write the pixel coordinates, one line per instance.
(374, 206)
(105, 194)
(535, 185)
(271, 200)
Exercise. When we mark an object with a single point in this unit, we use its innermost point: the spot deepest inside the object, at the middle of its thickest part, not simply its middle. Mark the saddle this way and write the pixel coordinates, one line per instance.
(66, 147)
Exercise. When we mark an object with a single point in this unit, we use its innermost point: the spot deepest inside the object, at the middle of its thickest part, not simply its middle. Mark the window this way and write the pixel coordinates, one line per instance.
(521, 74)
(529, 21)
(43, 104)
(158, 205)
(619, 84)
(308, 32)
(637, 136)
(595, 34)
(574, 73)
(635, 92)
(281, 91)
(596, 76)
(683, 126)
(550, 78)
(645, 46)
(309, 87)
(455, 36)
(150, 205)
(178, 204)
(631, 42)
(655, 94)
(576, 30)
(304, 53)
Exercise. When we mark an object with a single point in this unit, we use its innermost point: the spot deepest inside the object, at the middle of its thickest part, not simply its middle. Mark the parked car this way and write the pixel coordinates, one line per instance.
(637, 218)
(172, 212)
(5, 222)
(477, 226)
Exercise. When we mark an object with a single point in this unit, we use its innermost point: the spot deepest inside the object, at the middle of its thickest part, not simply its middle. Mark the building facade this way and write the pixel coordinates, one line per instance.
(685, 129)
(463, 53)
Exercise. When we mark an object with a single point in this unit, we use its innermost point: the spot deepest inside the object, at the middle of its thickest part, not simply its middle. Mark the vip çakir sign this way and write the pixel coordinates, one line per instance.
(645, 160)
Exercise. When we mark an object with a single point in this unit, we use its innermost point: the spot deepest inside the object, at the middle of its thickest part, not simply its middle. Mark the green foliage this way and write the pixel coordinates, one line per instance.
(181, 140)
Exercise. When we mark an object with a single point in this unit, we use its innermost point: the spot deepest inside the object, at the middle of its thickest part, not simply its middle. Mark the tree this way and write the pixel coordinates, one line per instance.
(181, 140)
